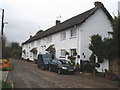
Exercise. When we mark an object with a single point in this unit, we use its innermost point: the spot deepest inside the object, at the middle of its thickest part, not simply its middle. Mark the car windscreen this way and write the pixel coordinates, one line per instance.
(47, 56)
(47, 60)
(65, 62)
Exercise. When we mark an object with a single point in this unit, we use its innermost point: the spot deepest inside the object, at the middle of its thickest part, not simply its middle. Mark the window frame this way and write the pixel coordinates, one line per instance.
(73, 33)
(62, 54)
(72, 51)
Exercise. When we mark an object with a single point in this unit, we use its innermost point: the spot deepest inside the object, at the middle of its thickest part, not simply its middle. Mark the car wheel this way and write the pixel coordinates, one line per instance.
(59, 71)
(38, 66)
(50, 69)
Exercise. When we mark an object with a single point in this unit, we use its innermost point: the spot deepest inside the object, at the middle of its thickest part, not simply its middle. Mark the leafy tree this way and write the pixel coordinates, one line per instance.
(116, 36)
(16, 50)
(13, 50)
(15, 45)
(4, 49)
(97, 47)
(92, 58)
(112, 44)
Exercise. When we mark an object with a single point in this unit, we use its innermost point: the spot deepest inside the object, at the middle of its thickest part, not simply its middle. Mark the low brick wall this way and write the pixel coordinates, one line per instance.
(115, 66)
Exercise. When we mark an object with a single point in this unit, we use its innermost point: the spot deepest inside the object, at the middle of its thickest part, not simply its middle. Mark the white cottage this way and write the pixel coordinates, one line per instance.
(72, 35)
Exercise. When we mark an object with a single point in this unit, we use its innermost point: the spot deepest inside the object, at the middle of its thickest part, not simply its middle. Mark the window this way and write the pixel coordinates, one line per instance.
(73, 33)
(73, 52)
(63, 35)
(63, 51)
(49, 39)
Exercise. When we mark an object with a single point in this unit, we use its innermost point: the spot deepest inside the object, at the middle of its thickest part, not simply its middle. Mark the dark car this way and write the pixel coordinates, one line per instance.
(44, 60)
(61, 66)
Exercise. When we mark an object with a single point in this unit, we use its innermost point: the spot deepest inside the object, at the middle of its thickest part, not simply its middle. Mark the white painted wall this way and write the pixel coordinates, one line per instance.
(103, 66)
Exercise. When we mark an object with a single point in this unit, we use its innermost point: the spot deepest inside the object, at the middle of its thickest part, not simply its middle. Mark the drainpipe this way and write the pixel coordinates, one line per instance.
(80, 44)
(77, 42)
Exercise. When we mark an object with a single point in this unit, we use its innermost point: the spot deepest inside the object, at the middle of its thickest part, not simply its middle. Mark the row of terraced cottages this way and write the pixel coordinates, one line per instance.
(72, 35)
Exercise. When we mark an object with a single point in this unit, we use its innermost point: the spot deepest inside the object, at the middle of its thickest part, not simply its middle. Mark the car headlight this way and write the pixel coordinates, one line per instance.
(46, 63)
(74, 67)
(64, 67)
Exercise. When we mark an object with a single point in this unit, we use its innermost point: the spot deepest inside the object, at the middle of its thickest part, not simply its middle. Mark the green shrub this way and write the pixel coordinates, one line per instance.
(67, 53)
(72, 58)
(101, 74)
(77, 65)
(7, 68)
(6, 85)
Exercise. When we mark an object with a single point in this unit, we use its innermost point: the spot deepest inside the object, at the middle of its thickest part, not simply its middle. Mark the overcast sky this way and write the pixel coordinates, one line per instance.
(26, 17)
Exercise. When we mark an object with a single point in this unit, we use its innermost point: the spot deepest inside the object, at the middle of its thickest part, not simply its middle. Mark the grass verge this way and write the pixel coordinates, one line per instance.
(6, 84)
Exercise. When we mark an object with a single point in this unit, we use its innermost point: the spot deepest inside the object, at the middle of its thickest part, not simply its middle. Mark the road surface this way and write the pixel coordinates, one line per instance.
(28, 75)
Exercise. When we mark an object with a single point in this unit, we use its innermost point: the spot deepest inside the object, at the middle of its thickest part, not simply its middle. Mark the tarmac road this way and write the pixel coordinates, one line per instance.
(28, 75)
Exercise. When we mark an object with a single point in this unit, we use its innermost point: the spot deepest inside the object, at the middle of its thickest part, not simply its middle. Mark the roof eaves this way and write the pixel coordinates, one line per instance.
(107, 13)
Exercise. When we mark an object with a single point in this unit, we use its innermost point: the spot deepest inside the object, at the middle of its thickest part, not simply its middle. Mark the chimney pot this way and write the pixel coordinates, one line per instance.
(57, 22)
(30, 36)
(98, 4)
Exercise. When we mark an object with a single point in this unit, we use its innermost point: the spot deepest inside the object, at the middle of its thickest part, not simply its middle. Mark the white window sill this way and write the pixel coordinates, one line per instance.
(72, 37)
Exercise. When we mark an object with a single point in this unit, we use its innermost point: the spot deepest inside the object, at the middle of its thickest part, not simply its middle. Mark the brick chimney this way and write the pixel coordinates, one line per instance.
(30, 36)
(57, 22)
(98, 4)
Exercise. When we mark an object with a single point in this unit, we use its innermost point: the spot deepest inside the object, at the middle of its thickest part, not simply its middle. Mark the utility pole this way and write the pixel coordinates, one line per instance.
(1, 34)
(2, 26)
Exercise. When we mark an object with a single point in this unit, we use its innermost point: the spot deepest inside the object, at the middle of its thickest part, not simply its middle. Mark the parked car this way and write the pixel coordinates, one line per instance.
(61, 66)
(44, 60)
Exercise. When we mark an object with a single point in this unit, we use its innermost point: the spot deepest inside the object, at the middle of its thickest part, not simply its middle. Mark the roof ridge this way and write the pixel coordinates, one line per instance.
(79, 14)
